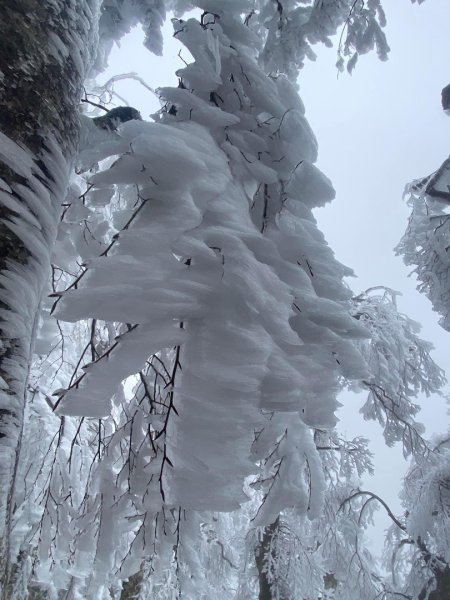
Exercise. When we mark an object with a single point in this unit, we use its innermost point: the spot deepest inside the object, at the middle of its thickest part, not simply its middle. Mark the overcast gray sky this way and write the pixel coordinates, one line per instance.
(377, 130)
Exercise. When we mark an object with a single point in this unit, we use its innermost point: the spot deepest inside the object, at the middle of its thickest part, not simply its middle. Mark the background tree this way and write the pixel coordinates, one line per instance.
(425, 242)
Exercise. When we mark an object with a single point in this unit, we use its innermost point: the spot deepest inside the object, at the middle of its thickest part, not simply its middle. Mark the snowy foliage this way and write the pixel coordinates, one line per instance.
(426, 240)
(181, 414)
(401, 367)
(211, 255)
(419, 559)
(218, 292)
(118, 17)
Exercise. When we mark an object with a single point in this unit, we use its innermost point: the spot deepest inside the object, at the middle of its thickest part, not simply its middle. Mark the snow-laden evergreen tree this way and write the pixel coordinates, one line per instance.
(188, 360)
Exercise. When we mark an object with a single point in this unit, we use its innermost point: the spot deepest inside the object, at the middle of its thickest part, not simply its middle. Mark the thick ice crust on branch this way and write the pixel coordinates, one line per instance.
(226, 248)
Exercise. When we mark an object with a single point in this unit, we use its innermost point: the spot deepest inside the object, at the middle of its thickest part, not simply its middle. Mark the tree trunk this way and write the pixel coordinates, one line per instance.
(45, 50)
(131, 588)
(442, 591)
(268, 547)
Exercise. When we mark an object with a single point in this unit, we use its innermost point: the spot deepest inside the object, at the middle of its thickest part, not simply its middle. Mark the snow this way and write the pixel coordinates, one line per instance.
(22, 289)
(208, 327)
(241, 283)
(91, 395)
(17, 158)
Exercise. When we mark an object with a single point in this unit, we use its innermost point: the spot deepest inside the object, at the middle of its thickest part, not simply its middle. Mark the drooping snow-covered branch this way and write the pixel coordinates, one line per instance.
(401, 368)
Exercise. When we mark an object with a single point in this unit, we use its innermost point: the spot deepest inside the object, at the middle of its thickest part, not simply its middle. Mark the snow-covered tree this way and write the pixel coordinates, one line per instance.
(400, 365)
(45, 53)
(419, 558)
(181, 403)
(333, 550)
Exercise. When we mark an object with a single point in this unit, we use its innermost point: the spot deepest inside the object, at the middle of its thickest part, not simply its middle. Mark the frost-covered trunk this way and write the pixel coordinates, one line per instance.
(45, 48)
(442, 590)
(263, 554)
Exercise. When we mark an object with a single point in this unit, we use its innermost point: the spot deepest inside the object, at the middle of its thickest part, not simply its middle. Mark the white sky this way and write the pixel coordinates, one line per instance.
(377, 130)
